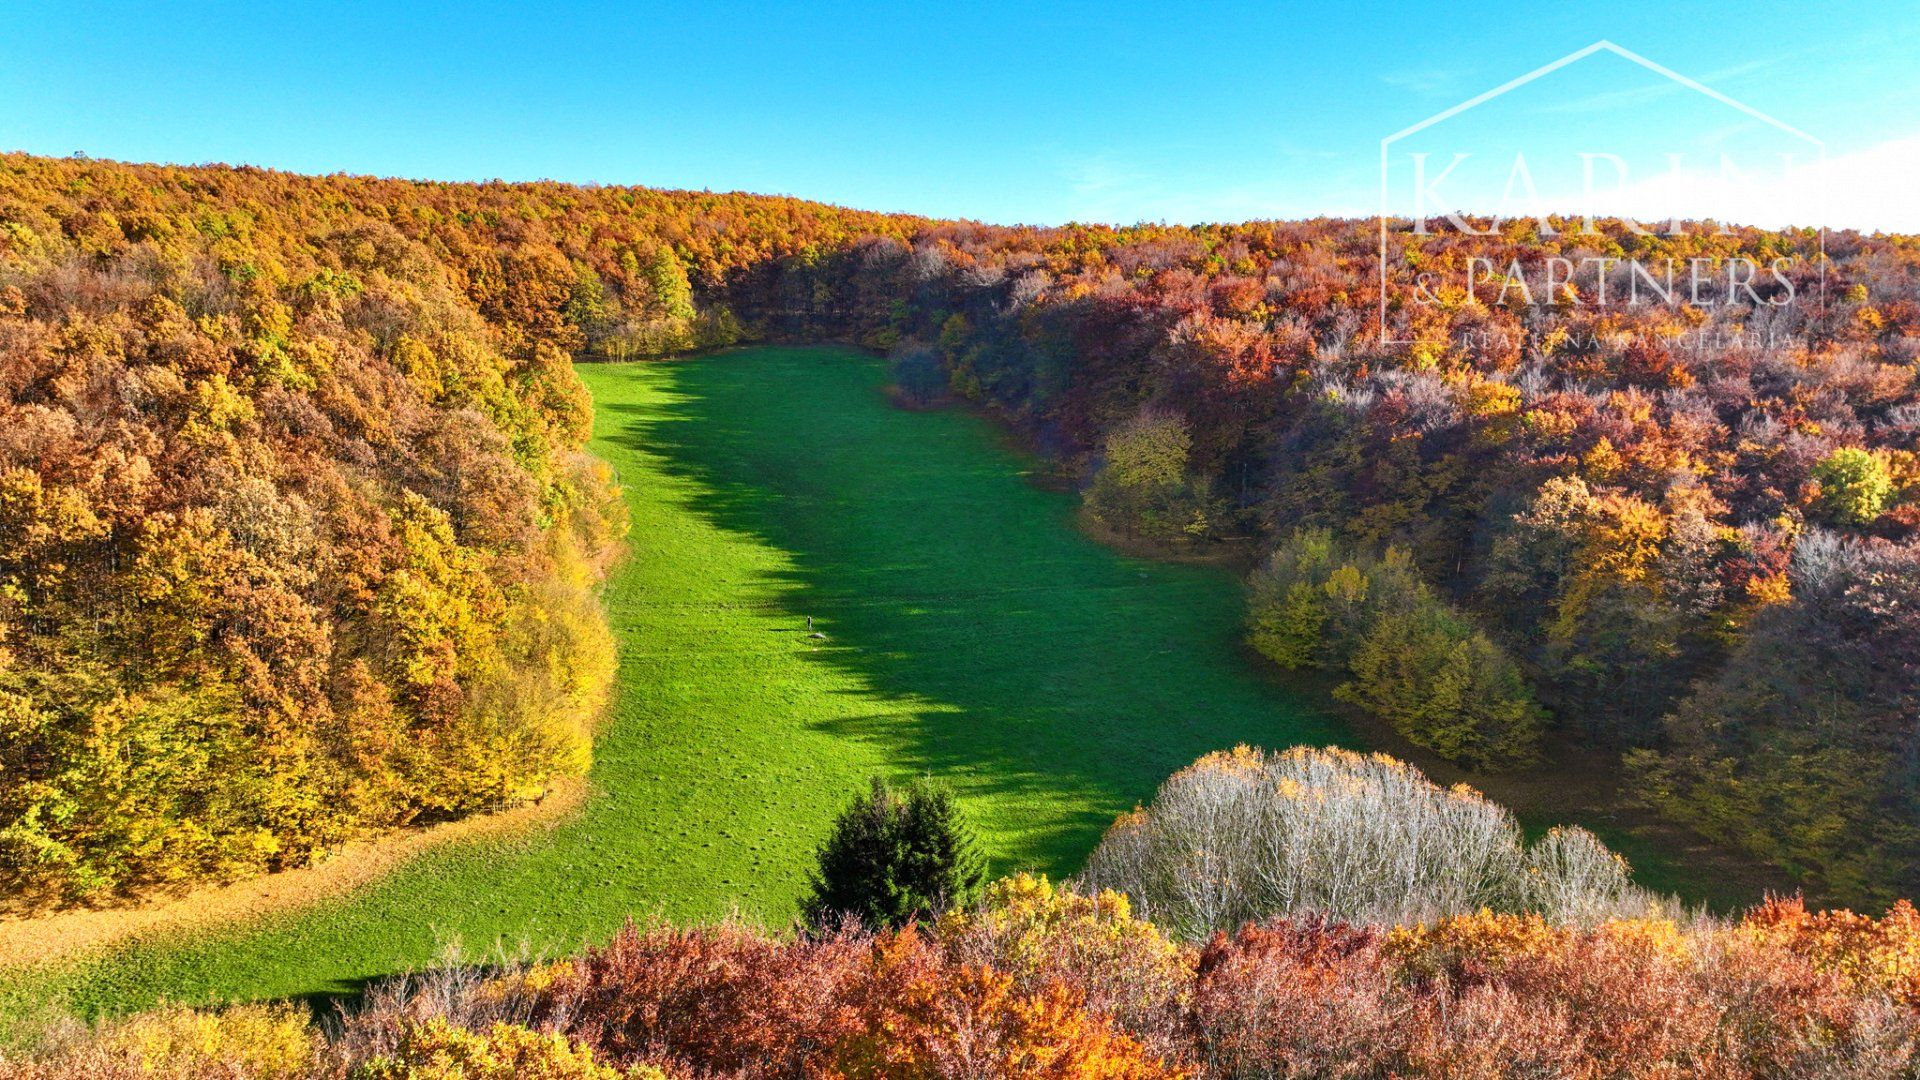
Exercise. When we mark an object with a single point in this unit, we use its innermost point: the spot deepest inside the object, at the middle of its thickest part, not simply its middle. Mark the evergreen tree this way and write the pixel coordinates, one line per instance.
(896, 855)
(918, 374)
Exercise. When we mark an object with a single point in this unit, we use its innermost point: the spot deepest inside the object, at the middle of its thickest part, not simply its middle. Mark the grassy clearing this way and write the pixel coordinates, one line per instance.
(970, 630)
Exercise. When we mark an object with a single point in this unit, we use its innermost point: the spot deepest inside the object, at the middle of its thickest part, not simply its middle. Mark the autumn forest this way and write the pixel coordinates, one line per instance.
(303, 544)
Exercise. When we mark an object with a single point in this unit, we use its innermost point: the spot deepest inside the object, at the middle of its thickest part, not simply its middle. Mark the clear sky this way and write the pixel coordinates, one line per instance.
(1031, 111)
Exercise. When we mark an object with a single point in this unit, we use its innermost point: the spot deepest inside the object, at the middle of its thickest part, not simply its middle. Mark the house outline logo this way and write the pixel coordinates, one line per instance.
(1601, 46)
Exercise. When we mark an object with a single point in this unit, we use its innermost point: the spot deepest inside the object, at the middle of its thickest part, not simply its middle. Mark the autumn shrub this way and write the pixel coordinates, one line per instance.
(1880, 954)
(1647, 998)
(1040, 934)
(919, 1016)
(1035, 982)
(727, 998)
(439, 1051)
(244, 1042)
(735, 1002)
(1245, 835)
(1296, 999)
(452, 994)
(1039, 981)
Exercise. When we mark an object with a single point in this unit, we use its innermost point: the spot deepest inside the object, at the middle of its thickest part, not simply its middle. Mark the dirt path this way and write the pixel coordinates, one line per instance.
(68, 935)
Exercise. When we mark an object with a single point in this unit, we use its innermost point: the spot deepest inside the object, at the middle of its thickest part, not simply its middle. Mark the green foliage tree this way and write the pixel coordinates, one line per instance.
(896, 855)
(591, 308)
(1144, 486)
(1410, 658)
(1854, 486)
(1445, 686)
(1289, 628)
(666, 278)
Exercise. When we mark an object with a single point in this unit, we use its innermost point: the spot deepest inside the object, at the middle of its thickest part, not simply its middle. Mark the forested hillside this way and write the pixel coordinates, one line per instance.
(291, 492)
(297, 537)
(1683, 532)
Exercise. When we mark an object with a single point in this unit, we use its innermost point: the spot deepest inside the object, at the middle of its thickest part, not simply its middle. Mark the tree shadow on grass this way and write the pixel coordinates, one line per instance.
(1053, 681)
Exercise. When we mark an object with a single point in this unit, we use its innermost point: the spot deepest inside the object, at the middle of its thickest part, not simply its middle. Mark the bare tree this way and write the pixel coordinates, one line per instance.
(1244, 835)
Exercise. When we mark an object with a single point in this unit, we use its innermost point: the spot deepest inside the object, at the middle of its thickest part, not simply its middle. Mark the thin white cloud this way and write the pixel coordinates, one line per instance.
(1422, 80)
(1634, 96)
(1094, 175)
(1301, 181)
(1870, 189)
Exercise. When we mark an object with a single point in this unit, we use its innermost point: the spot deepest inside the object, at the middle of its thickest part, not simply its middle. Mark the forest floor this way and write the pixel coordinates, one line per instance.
(969, 631)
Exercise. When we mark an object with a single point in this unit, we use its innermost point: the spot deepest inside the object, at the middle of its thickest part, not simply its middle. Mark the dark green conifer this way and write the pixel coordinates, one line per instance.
(896, 855)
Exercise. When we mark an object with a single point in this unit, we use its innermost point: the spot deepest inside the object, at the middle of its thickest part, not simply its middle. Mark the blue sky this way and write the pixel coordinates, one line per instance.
(1037, 112)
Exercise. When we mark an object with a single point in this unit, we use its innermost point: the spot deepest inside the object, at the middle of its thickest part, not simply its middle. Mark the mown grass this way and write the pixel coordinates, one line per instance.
(971, 632)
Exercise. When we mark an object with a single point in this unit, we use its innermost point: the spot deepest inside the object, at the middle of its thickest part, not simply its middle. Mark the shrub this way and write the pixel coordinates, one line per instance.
(1639, 998)
(1241, 836)
(1870, 954)
(1117, 965)
(849, 1004)
(894, 856)
(1288, 999)
(437, 1050)
(922, 1017)
(245, 1042)
(723, 998)
(1045, 983)
(453, 994)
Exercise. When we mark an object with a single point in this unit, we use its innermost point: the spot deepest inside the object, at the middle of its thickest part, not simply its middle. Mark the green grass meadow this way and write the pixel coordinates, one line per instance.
(971, 633)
